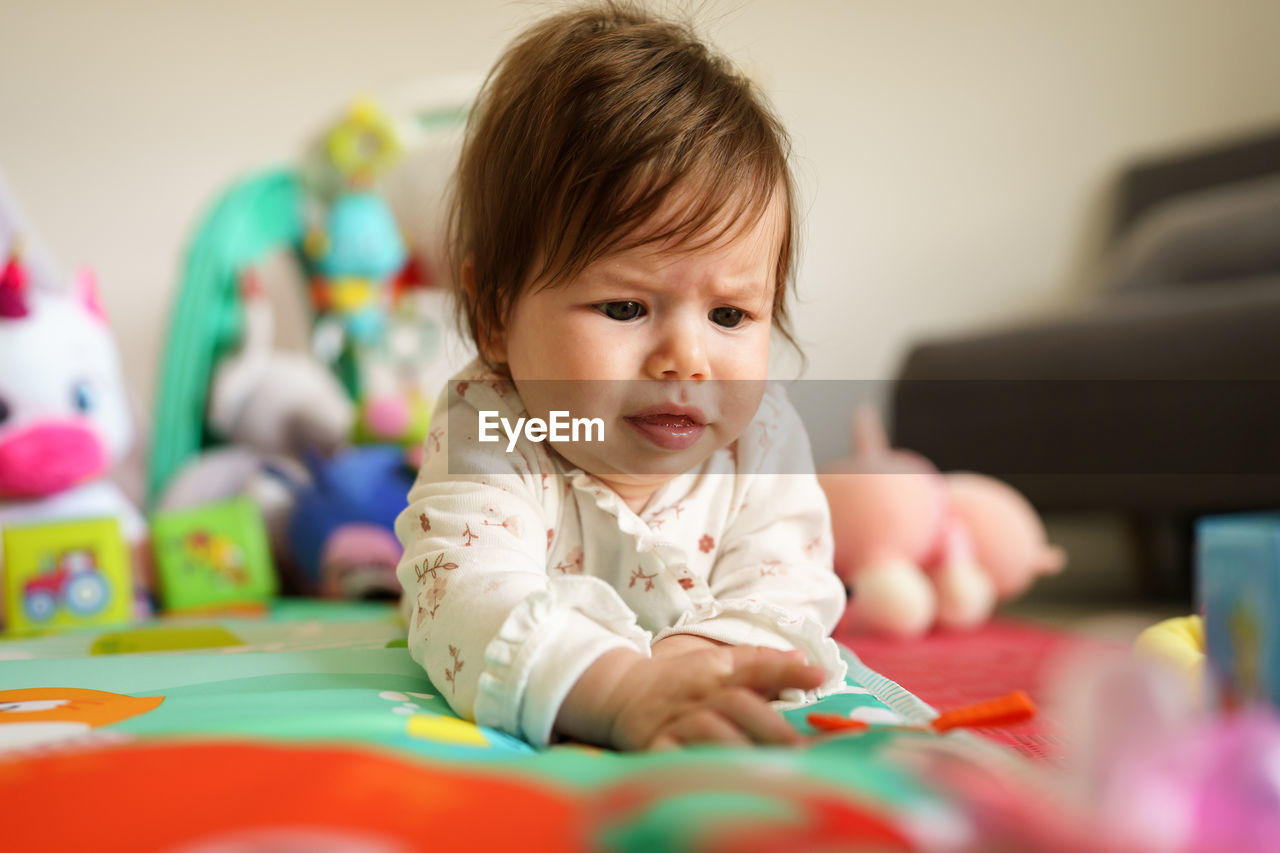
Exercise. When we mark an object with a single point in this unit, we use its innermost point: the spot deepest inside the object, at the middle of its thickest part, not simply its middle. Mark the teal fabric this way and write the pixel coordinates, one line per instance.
(257, 216)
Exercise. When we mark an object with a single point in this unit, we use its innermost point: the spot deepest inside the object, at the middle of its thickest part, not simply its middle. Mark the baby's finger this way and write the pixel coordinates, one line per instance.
(770, 674)
(752, 714)
(747, 654)
(706, 726)
(664, 743)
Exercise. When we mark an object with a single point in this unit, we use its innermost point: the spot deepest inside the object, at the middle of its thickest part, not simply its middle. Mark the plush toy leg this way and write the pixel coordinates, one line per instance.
(966, 595)
(359, 561)
(893, 597)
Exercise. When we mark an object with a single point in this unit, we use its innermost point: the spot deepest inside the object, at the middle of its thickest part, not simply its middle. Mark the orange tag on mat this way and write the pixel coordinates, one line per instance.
(1015, 707)
(835, 723)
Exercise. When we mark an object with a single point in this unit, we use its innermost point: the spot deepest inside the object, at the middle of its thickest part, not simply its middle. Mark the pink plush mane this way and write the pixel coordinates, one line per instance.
(13, 286)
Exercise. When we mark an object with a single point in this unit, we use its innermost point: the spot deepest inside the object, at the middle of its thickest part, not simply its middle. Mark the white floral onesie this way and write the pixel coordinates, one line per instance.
(516, 581)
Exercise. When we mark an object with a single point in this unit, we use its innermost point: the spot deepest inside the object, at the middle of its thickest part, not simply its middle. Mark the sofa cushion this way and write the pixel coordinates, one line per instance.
(1214, 235)
(1156, 400)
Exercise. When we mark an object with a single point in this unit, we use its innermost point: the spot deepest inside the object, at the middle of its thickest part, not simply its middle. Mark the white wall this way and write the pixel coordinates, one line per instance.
(954, 155)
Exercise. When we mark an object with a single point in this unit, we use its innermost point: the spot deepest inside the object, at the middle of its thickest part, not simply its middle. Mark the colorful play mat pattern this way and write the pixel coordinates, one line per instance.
(314, 730)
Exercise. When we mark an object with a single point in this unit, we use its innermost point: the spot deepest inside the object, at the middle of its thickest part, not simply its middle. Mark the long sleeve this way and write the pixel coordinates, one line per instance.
(500, 639)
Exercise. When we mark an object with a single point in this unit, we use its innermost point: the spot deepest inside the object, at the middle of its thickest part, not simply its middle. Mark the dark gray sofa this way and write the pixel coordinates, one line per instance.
(1161, 399)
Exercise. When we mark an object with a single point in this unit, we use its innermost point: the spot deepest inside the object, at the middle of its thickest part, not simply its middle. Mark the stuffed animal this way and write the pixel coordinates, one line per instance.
(237, 413)
(64, 416)
(342, 530)
(271, 399)
(270, 405)
(919, 548)
(330, 519)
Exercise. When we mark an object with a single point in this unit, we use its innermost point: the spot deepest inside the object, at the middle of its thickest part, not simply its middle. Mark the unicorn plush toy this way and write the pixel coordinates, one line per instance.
(64, 418)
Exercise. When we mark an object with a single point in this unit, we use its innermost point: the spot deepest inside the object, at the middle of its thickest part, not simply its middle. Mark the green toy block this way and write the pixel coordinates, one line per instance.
(213, 556)
(66, 574)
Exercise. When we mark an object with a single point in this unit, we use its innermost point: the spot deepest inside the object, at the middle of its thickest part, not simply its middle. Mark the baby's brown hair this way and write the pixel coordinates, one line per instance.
(582, 130)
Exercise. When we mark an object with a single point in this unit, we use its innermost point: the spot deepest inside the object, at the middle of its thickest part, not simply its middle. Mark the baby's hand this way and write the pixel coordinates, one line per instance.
(712, 695)
(702, 695)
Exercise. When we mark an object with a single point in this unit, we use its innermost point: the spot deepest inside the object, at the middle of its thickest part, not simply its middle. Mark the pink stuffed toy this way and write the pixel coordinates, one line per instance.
(920, 548)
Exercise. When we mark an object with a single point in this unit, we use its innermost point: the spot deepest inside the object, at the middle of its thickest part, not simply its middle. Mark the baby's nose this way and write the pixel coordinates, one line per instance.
(682, 359)
(681, 354)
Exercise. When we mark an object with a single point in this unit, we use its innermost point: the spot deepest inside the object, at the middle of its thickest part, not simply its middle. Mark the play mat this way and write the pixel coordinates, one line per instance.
(948, 669)
(312, 729)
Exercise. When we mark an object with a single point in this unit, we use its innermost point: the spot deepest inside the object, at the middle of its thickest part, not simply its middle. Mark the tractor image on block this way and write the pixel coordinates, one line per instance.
(71, 579)
(67, 574)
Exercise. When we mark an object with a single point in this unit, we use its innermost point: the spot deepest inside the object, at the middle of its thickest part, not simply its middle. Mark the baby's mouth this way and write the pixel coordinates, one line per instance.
(669, 430)
(667, 421)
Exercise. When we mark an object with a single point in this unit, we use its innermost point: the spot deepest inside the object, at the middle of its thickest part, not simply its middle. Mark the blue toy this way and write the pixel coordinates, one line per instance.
(1238, 575)
(354, 259)
(343, 526)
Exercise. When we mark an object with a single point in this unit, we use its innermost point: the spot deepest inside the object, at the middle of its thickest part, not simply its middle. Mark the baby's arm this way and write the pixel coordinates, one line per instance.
(504, 645)
(773, 581)
(501, 641)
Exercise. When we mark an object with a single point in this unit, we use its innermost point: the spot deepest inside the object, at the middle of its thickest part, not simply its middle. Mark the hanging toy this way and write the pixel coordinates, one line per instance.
(354, 257)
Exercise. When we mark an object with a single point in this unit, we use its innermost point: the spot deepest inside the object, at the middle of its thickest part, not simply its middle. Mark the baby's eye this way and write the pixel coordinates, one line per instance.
(726, 316)
(621, 311)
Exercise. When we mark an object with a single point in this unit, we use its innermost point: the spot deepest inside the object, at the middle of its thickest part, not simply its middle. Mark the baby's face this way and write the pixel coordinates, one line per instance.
(667, 345)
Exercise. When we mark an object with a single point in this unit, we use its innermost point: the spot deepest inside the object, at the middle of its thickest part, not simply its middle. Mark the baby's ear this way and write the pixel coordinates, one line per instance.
(490, 337)
(469, 278)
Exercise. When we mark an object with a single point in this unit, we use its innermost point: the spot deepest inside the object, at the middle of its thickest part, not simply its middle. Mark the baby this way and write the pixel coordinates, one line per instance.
(623, 229)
